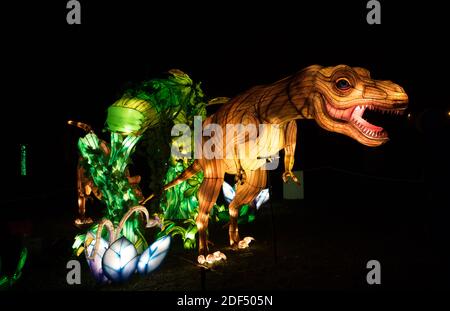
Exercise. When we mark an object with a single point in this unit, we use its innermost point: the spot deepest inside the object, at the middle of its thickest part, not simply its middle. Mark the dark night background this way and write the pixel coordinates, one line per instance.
(389, 203)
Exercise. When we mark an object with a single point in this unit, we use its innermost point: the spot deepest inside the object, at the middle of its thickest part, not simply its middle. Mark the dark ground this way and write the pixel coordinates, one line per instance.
(320, 244)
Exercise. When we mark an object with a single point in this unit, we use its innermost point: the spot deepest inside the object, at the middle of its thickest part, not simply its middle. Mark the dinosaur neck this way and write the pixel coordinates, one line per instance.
(288, 99)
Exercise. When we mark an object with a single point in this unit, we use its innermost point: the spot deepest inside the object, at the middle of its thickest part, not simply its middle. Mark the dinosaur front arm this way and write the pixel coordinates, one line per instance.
(290, 140)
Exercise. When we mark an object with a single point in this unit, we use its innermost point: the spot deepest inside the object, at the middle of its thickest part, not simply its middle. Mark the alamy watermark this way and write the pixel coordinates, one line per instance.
(73, 16)
(234, 142)
(374, 15)
(374, 275)
(73, 277)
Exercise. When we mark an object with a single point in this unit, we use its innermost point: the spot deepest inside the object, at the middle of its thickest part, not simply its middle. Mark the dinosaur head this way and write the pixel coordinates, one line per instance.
(342, 95)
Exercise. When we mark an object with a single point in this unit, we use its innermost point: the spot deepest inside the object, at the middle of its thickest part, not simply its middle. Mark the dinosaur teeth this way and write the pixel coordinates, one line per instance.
(379, 109)
(355, 116)
(365, 127)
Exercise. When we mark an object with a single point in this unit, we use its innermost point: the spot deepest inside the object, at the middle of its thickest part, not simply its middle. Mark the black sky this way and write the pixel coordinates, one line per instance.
(55, 72)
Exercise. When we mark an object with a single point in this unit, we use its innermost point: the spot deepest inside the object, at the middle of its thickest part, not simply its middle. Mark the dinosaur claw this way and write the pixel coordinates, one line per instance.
(210, 259)
(220, 256)
(289, 174)
(201, 259)
(245, 242)
(83, 221)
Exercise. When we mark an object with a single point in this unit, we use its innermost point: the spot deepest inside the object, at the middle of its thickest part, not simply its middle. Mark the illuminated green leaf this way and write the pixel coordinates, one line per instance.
(193, 182)
(4, 282)
(22, 259)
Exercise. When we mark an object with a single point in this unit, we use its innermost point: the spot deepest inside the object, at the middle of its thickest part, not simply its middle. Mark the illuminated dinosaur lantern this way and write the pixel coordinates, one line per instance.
(336, 97)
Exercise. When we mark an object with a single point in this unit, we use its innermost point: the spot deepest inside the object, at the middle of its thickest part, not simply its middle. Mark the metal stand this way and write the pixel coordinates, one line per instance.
(272, 217)
(203, 278)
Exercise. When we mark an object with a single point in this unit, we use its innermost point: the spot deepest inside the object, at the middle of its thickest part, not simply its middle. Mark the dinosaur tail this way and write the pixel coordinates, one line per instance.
(193, 169)
(218, 101)
(83, 126)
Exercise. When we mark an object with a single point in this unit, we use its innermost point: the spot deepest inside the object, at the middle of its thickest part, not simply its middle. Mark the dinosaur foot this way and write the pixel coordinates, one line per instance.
(83, 221)
(245, 242)
(211, 258)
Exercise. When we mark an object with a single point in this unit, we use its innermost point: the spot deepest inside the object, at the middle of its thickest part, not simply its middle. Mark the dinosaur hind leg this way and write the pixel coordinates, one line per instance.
(207, 196)
(245, 194)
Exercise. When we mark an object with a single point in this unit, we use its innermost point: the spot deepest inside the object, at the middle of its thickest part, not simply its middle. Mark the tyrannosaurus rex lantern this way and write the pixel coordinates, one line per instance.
(336, 97)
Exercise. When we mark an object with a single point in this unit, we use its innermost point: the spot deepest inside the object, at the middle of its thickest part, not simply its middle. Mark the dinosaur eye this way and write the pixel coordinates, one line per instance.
(342, 84)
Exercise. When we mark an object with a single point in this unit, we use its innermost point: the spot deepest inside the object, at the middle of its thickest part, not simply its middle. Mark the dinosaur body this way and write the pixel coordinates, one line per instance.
(336, 97)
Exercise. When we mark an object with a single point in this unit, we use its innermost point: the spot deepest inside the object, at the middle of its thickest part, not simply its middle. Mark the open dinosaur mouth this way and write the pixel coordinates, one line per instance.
(358, 117)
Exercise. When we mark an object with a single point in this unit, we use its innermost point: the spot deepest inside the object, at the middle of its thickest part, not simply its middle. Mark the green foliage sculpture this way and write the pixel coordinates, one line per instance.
(108, 173)
(146, 114)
